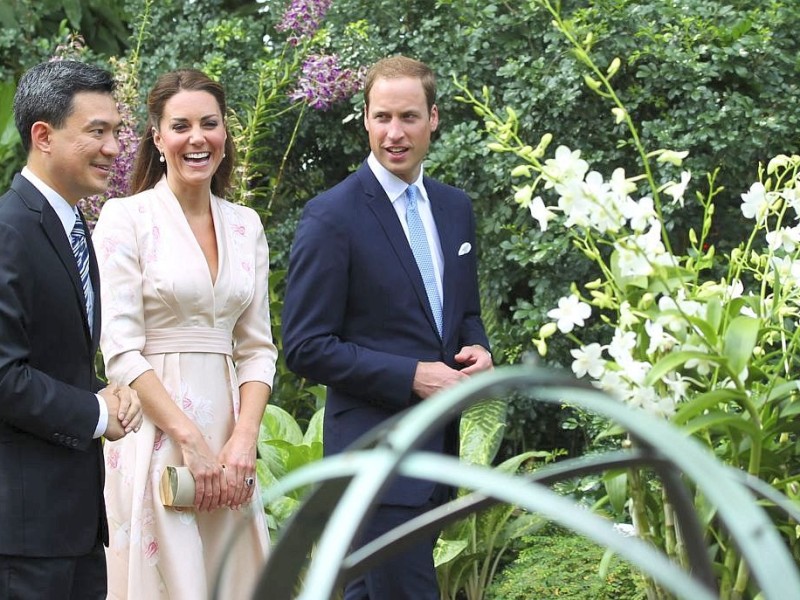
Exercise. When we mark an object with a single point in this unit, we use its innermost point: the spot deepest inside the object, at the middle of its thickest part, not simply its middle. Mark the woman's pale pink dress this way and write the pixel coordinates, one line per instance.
(161, 311)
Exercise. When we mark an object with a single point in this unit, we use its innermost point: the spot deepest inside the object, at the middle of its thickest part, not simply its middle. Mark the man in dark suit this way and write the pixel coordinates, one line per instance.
(382, 302)
(52, 513)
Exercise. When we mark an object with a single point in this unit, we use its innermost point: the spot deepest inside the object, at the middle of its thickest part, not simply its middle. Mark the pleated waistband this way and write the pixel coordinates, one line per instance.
(188, 339)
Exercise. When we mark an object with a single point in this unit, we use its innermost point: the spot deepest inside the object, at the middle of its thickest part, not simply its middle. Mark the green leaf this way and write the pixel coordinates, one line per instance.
(714, 312)
(513, 464)
(446, 551)
(74, 12)
(9, 136)
(616, 485)
(740, 340)
(703, 402)
(277, 424)
(522, 524)
(481, 431)
(674, 361)
(314, 430)
(783, 390)
(718, 419)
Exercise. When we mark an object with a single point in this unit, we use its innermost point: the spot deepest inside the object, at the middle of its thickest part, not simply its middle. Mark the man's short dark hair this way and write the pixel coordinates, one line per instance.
(45, 93)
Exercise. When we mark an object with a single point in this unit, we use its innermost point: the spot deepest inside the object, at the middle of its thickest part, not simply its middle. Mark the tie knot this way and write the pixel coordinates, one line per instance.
(77, 228)
(413, 195)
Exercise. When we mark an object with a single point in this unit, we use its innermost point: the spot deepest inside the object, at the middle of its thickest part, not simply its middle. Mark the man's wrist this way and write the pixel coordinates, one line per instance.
(102, 420)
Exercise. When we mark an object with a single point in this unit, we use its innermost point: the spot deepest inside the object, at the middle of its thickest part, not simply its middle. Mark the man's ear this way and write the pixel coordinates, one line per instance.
(41, 133)
(434, 118)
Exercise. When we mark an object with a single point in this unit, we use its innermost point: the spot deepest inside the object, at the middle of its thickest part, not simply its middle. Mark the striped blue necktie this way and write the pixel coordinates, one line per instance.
(422, 253)
(80, 248)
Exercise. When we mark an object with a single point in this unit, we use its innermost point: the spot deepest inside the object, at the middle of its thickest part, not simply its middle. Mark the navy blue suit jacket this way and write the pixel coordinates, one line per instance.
(51, 470)
(356, 316)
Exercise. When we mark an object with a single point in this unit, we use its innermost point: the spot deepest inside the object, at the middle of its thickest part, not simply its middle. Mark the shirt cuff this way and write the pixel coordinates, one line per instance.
(102, 421)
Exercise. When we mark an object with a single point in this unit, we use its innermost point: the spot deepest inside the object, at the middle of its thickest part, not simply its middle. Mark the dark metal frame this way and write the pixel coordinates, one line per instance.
(314, 557)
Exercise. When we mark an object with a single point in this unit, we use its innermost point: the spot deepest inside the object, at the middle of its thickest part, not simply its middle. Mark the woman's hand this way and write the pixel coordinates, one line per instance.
(211, 486)
(238, 458)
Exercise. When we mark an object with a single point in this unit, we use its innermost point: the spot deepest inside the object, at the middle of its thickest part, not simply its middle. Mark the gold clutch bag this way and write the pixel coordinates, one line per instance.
(177, 487)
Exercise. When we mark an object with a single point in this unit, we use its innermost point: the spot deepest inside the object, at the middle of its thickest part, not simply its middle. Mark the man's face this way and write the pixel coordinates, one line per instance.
(400, 125)
(83, 150)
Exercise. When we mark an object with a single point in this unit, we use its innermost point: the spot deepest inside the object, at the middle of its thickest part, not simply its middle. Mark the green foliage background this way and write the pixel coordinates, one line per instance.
(719, 79)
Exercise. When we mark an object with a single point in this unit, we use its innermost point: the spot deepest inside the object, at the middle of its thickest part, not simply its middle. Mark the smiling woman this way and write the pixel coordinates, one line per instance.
(191, 138)
(186, 322)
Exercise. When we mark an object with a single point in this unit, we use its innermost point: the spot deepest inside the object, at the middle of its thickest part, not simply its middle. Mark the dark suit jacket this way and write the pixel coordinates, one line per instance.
(356, 317)
(51, 470)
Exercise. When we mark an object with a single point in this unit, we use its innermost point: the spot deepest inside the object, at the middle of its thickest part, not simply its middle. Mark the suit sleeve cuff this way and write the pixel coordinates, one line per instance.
(102, 421)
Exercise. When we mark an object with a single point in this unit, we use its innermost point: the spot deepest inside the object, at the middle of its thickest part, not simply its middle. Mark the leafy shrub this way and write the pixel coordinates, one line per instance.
(556, 563)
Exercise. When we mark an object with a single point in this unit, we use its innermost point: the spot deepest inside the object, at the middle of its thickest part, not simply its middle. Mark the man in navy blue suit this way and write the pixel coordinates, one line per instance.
(380, 326)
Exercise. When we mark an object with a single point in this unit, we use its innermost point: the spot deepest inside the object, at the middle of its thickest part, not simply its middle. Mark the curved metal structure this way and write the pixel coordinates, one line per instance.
(346, 486)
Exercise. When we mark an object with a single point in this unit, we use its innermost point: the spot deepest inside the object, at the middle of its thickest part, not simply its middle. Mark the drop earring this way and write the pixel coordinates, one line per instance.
(161, 159)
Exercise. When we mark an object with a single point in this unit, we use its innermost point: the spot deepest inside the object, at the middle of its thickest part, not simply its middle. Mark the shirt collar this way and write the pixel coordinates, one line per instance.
(391, 183)
(66, 213)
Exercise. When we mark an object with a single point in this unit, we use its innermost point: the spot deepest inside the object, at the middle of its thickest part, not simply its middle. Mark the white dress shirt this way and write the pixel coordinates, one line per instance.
(395, 189)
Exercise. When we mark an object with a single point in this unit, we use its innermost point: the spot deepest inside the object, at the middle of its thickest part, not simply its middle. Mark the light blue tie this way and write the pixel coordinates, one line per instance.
(422, 253)
(80, 248)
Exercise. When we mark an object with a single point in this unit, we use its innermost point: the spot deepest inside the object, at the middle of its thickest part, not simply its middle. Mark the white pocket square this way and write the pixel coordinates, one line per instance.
(465, 248)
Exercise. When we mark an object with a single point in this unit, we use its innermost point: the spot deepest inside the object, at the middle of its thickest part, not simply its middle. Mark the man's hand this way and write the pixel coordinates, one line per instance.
(431, 377)
(124, 411)
(475, 359)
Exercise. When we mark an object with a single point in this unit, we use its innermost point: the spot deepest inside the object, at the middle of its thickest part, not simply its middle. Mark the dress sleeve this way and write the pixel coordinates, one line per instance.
(254, 352)
(123, 330)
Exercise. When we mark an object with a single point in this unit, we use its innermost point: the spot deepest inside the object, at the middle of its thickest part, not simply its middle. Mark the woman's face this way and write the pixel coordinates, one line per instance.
(191, 136)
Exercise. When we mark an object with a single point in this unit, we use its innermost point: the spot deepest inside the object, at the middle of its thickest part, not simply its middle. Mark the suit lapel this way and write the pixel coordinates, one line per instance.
(54, 232)
(383, 210)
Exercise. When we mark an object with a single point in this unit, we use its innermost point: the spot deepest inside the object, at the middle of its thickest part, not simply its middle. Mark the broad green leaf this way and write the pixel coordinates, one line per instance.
(616, 484)
(718, 419)
(791, 409)
(708, 330)
(314, 430)
(277, 424)
(9, 136)
(714, 312)
(447, 550)
(74, 12)
(783, 390)
(674, 361)
(481, 431)
(521, 524)
(740, 340)
(703, 402)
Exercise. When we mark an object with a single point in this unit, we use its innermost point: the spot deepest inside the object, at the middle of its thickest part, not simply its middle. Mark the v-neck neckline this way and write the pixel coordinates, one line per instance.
(216, 224)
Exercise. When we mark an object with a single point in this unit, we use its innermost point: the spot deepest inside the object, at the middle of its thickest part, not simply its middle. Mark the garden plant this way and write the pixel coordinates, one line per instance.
(705, 339)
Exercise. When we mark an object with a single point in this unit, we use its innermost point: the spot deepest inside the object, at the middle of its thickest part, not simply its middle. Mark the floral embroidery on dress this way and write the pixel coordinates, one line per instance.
(109, 246)
(112, 459)
(152, 247)
(150, 549)
(197, 408)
